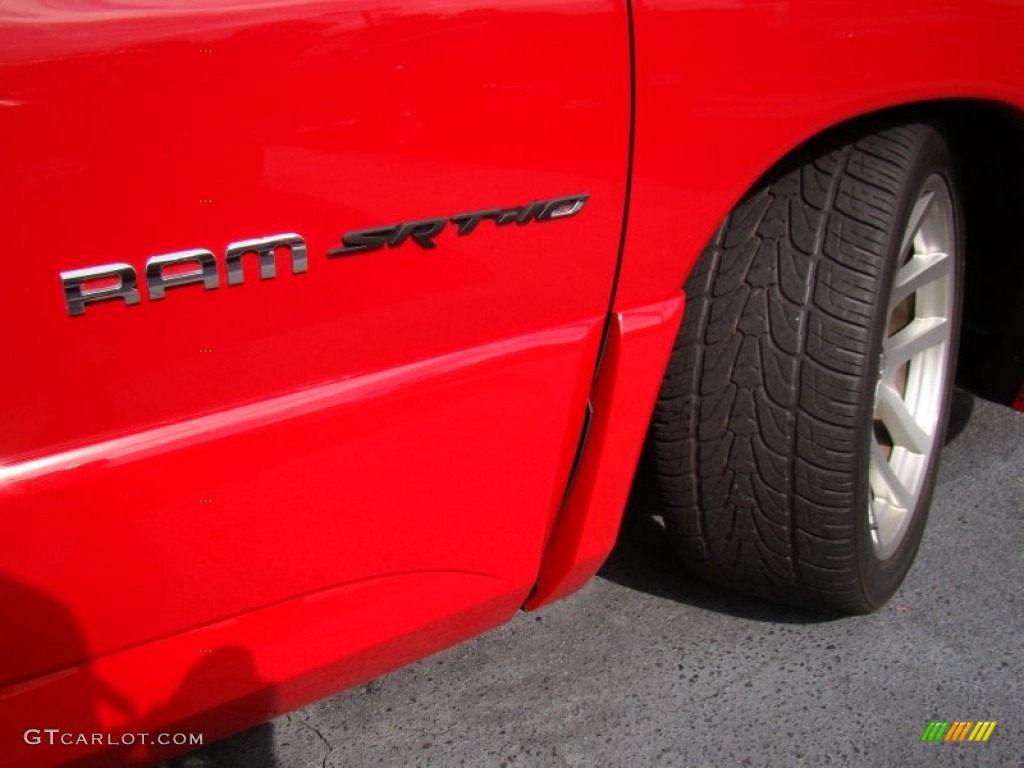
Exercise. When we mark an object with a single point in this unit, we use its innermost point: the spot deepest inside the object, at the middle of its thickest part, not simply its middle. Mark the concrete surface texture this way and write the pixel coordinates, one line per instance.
(647, 666)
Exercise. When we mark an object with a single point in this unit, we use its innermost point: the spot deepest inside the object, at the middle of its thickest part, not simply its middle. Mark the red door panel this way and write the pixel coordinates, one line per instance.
(182, 460)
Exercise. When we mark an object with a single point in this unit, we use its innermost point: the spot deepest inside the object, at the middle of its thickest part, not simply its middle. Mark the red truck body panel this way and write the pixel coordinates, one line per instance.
(227, 502)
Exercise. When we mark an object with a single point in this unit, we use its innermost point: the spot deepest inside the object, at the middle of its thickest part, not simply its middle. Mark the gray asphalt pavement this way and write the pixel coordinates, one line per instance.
(647, 666)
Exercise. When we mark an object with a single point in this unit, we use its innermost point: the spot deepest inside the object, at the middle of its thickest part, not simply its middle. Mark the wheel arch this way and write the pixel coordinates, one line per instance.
(642, 333)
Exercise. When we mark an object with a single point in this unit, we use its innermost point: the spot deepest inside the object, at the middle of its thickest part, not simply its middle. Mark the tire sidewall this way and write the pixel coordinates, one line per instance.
(880, 578)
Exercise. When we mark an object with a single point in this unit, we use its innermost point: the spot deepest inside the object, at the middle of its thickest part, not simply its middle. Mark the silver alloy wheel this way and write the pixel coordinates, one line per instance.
(913, 367)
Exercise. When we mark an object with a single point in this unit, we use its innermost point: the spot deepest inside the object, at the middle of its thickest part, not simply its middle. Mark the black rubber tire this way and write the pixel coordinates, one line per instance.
(761, 431)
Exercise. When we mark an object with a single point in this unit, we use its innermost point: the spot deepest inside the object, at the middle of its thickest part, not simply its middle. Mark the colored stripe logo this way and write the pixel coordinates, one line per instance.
(958, 730)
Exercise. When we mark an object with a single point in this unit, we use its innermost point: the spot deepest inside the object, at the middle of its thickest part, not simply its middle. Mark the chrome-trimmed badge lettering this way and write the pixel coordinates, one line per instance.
(161, 274)
(265, 249)
(166, 270)
(206, 273)
(77, 293)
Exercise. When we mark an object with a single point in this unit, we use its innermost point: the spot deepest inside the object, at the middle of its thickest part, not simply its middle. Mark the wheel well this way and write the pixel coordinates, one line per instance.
(988, 143)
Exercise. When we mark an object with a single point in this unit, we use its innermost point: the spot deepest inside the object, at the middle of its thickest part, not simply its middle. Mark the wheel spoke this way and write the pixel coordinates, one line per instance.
(913, 366)
(884, 516)
(917, 216)
(921, 270)
(893, 412)
(886, 486)
(923, 333)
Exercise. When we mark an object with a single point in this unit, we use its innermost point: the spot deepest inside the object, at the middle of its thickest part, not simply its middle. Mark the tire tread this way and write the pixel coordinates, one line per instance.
(752, 435)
